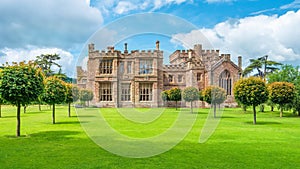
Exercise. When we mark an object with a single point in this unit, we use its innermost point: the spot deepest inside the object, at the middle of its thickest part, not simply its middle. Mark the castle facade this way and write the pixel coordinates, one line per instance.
(137, 78)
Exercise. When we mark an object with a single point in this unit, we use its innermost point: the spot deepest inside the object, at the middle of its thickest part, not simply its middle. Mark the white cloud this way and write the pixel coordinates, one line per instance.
(124, 6)
(251, 37)
(294, 5)
(218, 1)
(160, 3)
(30, 53)
(47, 23)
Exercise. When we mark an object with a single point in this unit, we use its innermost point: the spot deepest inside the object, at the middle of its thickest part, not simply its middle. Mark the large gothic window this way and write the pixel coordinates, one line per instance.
(225, 81)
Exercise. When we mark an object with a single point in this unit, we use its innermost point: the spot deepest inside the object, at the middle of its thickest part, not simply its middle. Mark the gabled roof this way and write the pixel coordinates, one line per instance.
(221, 61)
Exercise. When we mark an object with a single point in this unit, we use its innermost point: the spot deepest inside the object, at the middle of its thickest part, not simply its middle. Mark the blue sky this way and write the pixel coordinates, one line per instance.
(250, 28)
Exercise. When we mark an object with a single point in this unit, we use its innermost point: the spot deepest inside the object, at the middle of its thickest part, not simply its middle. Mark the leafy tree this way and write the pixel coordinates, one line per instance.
(55, 93)
(291, 74)
(201, 97)
(86, 95)
(281, 93)
(214, 95)
(251, 92)
(21, 84)
(262, 65)
(164, 95)
(46, 61)
(175, 95)
(287, 73)
(296, 102)
(72, 95)
(190, 94)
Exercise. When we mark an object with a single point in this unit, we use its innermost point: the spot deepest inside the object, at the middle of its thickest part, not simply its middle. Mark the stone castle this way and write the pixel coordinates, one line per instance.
(137, 78)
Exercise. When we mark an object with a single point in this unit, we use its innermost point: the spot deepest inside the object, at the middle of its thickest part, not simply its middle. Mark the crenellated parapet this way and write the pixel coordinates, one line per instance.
(112, 53)
(210, 52)
(180, 67)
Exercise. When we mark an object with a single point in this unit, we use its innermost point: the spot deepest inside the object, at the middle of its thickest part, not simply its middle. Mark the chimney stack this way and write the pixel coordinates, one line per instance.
(240, 61)
(157, 45)
(190, 54)
(125, 50)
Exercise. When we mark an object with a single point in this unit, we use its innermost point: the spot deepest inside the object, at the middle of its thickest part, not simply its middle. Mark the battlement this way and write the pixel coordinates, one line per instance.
(174, 67)
(225, 56)
(111, 52)
(144, 52)
(212, 51)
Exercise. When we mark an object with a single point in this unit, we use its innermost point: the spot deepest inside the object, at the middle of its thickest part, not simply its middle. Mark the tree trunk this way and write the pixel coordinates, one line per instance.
(244, 108)
(281, 110)
(215, 107)
(18, 119)
(176, 104)
(88, 104)
(24, 109)
(272, 108)
(254, 115)
(191, 107)
(53, 114)
(0, 110)
(40, 107)
(69, 109)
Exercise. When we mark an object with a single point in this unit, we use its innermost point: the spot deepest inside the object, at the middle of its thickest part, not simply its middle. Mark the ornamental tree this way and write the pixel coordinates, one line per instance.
(21, 84)
(55, 93)
(251, 91)
(72, 95)
(281, 93)
(86, 95)
(190, 94)
(164, 95)
(214, 95)
(175, 95)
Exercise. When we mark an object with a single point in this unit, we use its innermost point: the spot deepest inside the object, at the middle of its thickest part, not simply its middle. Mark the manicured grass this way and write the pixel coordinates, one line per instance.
(237, 143)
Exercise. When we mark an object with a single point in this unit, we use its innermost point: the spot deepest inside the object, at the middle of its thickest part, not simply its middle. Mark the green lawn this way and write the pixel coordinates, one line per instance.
(273, 143)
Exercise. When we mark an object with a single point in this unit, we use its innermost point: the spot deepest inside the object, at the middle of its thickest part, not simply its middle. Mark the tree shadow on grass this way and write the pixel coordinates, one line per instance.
(70, 122)
(84, 116)
(48, 135)
(55, 135)
(290, 115)
(264, 123)
(227, 117)
(7, 117)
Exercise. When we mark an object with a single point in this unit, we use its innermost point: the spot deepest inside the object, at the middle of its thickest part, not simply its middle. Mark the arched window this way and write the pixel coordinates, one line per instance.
(225, 81)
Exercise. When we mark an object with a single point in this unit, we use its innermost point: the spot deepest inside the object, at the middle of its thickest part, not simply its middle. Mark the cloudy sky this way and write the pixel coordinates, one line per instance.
(251, 28)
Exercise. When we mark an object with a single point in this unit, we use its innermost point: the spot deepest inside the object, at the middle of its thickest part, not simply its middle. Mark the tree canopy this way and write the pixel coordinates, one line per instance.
(214, 95)
(72, 95)
(262, 66)
(86, 95)
(291, 74)
(21, 84)
(55, 93)
(190, 94)
(251, 91)
(281, 93)
(175, 95)
(46, 61)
